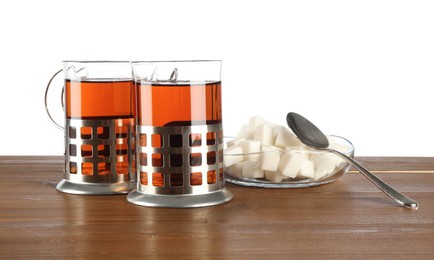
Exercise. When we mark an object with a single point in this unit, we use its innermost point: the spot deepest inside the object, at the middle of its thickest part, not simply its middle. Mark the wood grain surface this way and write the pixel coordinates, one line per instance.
(349, 218)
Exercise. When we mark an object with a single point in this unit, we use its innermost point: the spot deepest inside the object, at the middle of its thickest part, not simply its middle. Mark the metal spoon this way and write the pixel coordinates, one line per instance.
(311, 136)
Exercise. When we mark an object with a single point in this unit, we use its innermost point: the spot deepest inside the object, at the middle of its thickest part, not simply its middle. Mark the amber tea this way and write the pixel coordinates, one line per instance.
(179, 104)
(99, 99)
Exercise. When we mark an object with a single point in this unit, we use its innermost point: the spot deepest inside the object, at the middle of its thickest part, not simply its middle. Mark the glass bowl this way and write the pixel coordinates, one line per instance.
(293, 167)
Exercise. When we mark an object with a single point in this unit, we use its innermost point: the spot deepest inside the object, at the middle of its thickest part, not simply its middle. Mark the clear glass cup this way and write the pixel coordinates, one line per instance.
(179, 134)
(99, 120)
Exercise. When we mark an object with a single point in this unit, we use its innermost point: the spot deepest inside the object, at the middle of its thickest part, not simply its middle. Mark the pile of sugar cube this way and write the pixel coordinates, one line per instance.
(263, 149)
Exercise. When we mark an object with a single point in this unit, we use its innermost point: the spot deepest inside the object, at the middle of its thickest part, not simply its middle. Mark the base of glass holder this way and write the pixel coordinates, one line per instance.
(95, 189)
(180, 201)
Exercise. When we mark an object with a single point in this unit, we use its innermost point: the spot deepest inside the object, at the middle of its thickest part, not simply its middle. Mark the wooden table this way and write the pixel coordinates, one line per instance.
(349, 218)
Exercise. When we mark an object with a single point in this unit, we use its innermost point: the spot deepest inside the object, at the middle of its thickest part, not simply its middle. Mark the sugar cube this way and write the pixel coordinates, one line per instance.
(252, 170)
(290, 164)
(234, 142)
(270, 158)
(307, 169)
(324, 164)
(274, 176)
(286, 138)
(236, 169)
(233, 155)
(251, 149)
(264, 134)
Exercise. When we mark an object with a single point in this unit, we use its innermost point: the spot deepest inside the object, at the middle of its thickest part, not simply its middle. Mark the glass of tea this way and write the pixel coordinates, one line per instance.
(99, 105)
(179, 134)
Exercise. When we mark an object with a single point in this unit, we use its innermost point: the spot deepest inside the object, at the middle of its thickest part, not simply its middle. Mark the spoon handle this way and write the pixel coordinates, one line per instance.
(384, 187)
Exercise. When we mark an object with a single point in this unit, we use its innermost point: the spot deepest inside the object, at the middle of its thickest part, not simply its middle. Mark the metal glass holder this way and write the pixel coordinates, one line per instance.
(180, 166)
(99, 157)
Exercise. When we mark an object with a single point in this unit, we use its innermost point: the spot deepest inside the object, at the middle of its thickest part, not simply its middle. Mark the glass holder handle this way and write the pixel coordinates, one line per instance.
(61, 98)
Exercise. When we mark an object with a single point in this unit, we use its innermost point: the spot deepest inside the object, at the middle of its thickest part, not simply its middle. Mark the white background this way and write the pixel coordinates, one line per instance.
(360, 69)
